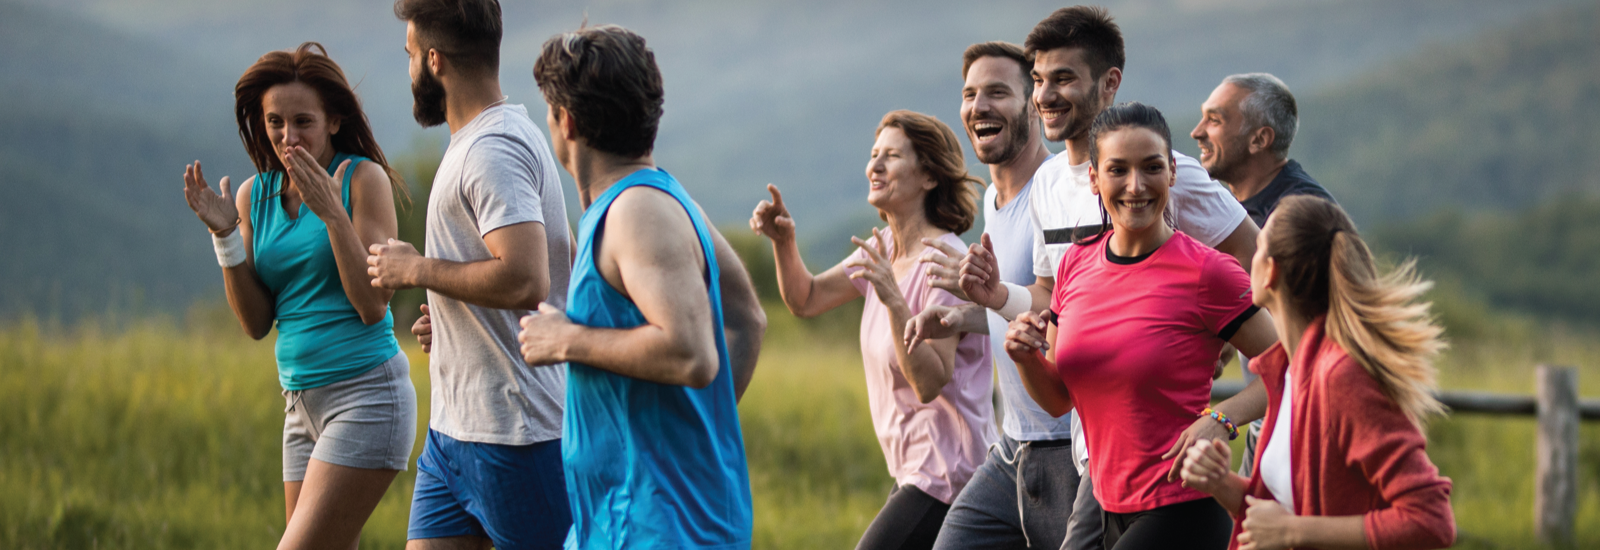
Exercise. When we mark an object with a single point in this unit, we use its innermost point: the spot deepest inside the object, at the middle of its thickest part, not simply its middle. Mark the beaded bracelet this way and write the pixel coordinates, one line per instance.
(1233, 431)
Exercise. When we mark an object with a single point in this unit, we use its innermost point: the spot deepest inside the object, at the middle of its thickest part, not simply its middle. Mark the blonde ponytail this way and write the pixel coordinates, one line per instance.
(1378, 320)
(1381, 323)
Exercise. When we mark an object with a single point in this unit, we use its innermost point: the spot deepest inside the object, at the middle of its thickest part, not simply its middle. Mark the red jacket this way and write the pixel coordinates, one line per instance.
(1354, 452)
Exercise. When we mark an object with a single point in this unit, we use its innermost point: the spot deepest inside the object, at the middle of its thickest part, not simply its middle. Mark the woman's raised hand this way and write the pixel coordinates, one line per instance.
(218, 212)
(876, 268)
(772, 219)
(321, 193)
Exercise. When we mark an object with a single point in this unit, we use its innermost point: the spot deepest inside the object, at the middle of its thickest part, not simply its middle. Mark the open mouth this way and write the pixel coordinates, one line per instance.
(986, 130)
(1136, 205)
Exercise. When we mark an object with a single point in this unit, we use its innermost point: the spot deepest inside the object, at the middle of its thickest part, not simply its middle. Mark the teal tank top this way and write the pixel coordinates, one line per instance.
(321, 339)
(649, 465)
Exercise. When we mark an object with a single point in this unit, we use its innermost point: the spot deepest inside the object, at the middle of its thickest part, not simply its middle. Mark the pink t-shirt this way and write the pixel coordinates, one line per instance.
(934, 446)
(1136, 346)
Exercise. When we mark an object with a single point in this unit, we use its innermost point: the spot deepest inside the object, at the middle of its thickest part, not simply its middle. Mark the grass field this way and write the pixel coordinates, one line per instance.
(165, 434)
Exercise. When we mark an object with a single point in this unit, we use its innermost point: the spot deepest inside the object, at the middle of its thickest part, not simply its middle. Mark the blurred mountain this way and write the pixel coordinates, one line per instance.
(126, 91)
(94, 134)
(1506, 119)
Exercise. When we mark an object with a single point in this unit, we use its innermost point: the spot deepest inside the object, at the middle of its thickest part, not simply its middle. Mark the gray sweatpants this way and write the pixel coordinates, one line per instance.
(1022, 496)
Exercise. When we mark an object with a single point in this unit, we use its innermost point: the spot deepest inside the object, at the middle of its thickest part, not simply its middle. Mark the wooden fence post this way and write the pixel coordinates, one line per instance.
(1555, 492)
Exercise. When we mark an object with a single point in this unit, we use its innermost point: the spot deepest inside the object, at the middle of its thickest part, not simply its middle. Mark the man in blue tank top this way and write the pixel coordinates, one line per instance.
(661, 327)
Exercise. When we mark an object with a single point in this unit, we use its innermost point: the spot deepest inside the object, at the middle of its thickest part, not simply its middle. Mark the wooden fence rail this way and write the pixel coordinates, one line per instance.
(1558, 409)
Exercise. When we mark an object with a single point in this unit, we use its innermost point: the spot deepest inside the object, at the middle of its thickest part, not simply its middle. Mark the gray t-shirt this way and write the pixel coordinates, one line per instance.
(498, 171)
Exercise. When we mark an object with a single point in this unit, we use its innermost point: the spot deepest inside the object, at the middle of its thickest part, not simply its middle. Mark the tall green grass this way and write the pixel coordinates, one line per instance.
(165, 434)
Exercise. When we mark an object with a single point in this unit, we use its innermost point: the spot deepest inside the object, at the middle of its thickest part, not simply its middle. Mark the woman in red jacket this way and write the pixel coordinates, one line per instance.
(1342, 462)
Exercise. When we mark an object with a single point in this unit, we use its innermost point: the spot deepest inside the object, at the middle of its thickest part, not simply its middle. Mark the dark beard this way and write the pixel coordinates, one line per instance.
(427, 100)
(1080, 124)
(1018, 127)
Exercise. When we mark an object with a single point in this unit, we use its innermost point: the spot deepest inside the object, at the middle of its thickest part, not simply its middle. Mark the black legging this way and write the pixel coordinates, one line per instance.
(909, 521)
(1200, 524)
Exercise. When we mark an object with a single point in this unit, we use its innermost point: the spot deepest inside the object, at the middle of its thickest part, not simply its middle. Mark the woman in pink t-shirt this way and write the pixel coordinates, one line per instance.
(1140, 313)
(930, 404)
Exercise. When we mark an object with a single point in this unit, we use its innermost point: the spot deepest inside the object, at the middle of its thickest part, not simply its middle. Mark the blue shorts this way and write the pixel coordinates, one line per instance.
(514, 495)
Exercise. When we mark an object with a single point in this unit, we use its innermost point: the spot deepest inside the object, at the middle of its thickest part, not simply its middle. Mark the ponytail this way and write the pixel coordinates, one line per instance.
(1378, 320)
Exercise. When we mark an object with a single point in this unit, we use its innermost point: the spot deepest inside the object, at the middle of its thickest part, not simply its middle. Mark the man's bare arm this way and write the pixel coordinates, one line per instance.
(516, 276)
(651, 255)
(1241, 243)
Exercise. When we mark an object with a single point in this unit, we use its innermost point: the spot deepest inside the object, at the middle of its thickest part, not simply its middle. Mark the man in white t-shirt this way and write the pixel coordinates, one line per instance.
(1077, 55)
(1030, 459)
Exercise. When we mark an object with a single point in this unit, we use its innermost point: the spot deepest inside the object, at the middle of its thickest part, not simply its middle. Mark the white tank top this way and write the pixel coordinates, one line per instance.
(1275, 466)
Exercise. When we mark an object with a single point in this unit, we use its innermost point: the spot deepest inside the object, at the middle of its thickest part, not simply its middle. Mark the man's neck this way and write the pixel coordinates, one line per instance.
(1257, 173)
(1077, 150)
(467, 99)
(1009, 178)
(595, 172)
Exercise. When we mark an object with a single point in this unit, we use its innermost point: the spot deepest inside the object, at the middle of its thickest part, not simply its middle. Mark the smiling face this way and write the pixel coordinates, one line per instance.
(1065, 94)
(1134, 177)
(895, 180)
(994, 109)
(295, 117)
(1221, 134)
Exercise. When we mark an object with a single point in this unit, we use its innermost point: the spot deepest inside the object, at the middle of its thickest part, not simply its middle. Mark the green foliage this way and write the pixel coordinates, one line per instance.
(1542, 261)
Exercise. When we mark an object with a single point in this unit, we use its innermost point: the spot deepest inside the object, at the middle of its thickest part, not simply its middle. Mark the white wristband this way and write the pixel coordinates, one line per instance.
(1018, 300)
(230, 249)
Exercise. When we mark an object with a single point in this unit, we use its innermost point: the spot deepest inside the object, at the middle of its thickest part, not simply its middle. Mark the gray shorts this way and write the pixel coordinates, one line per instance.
(368, 422)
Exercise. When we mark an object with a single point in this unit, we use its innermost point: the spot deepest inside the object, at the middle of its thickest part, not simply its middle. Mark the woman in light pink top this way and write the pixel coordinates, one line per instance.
(931, 404)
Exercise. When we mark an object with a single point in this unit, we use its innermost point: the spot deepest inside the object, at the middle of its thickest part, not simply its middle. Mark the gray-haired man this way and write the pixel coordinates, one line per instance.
(1245, 130)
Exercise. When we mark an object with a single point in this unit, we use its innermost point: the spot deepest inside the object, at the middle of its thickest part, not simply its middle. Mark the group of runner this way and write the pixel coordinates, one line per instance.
(585, 388)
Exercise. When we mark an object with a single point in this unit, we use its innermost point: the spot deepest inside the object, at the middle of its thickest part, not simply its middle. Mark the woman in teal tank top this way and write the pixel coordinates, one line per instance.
(293, 247)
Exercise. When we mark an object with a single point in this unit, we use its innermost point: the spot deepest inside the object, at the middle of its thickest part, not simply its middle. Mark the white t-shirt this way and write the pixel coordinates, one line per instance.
(1064, 203)
(1275, 465)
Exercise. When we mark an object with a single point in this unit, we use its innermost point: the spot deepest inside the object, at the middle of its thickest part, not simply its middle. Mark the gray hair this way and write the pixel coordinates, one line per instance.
(1269, 104)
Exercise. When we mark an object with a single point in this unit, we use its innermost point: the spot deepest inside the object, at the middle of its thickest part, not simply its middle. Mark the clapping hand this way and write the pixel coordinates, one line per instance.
(980, 275)
(875, 267)
(321, 193)
(945, 273)
(933, 323)
(772, 219)
(219, 212)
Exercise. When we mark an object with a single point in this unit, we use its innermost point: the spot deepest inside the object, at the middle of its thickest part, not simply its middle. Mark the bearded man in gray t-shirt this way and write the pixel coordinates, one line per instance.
(497, 246)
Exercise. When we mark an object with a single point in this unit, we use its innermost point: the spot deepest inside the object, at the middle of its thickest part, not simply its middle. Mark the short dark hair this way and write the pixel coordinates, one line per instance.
(952, 204)
(997, 48)
(607, 80)
(466, 31)
(1087, 27)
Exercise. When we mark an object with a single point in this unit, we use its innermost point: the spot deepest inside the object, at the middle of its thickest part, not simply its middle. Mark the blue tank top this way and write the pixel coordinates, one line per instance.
(649, 465)
(321, 339)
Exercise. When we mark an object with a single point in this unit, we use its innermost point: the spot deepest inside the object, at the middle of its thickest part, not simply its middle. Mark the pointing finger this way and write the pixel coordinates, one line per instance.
(777, 197)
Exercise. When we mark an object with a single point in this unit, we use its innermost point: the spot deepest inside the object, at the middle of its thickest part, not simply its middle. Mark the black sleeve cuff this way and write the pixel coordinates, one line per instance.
(1233, 326)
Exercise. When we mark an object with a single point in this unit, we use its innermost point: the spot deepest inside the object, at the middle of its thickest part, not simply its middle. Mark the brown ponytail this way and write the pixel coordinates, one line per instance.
(1378, 320)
